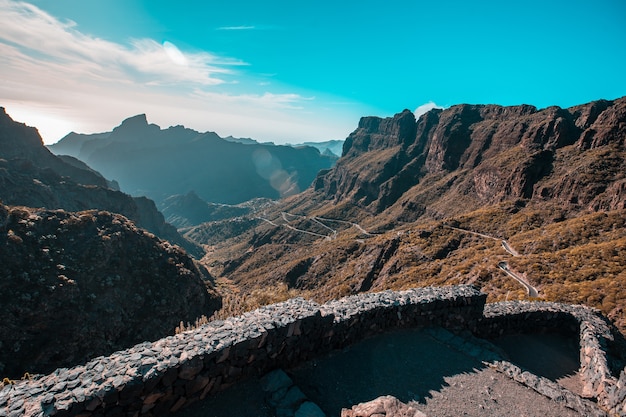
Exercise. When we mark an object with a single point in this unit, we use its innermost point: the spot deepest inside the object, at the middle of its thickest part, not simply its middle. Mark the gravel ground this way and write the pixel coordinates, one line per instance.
(489, 393)
(411, 365)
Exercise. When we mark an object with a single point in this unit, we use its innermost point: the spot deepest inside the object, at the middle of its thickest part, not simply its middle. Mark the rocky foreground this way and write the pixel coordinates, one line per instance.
(76, 285)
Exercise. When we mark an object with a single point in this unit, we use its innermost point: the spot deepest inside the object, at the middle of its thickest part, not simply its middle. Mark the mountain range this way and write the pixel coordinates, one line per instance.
(149, 161)
(429, 201)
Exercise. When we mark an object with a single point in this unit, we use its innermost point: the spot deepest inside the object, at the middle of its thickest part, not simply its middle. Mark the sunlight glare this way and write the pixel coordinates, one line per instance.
(51, 126)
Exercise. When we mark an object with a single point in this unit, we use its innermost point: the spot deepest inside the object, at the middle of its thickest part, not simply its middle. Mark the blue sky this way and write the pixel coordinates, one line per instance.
(295, 71)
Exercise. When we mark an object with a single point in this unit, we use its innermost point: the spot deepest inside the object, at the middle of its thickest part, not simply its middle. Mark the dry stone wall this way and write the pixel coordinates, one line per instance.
(595, 336)
(155, 379)
(158, 378)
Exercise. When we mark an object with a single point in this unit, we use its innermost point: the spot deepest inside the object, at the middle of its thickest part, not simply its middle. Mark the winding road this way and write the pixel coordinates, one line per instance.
(532, 291)
(319, 220)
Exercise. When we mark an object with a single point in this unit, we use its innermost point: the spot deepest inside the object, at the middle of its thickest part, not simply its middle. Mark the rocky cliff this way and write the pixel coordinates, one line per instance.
(158, 163)
(77, 285)
(483, 154)
(30, 175)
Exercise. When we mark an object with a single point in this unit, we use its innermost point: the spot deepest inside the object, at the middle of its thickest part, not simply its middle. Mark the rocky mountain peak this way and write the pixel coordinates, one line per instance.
(375, 133)
(17, 139)
(134, 128)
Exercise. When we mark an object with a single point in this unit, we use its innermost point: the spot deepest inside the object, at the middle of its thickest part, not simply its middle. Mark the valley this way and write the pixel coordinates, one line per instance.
(409, 205)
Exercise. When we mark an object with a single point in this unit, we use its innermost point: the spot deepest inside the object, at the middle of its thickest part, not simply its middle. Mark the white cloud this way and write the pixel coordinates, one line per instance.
(236, 28)
(58, 78)
(425, 108)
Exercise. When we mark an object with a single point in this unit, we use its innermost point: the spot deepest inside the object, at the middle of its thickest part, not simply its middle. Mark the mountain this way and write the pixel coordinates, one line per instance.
(30, 175)
(158, 163)
(329, 147)
(482, 155)
(245, 141)
(429, 201)
(190, 210)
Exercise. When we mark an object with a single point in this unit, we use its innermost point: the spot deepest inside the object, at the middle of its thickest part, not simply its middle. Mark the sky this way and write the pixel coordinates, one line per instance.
(294, 71)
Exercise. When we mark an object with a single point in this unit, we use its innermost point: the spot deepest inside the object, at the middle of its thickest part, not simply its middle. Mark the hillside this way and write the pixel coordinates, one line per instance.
(147, 160)
(399, 208)
(30, 175)
(78, 285)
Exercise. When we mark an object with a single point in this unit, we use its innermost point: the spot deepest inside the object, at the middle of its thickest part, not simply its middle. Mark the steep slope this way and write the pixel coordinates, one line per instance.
(77, 285)
(482, 155)
(429, 201)
(158, 163)
(30, 175)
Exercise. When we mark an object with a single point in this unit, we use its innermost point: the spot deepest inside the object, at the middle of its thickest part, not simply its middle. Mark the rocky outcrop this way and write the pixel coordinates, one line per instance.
(78, 285)
(386, 406)
(158, 163)
(483, 154)
(30, 175)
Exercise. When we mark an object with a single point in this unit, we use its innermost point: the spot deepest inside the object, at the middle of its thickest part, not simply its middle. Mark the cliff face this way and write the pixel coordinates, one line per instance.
(30, 175)
(484, 154)
(78, 285)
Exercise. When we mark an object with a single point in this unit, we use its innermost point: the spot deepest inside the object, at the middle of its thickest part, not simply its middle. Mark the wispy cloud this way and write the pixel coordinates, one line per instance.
(237, 28)
(56, 44)
(50, 67)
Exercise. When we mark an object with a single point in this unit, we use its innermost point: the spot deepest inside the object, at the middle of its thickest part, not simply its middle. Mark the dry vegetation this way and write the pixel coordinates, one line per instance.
(575, 259)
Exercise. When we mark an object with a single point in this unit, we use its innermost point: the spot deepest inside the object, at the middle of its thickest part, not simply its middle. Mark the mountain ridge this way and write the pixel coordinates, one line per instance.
(147, 160)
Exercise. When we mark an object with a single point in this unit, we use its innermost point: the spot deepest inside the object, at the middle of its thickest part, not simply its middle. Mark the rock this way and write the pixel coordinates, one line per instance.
(275, 381)
(309, 409)
(386, 406)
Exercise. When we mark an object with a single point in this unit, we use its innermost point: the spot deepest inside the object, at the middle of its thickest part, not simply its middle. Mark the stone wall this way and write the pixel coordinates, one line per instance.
(595, 336)
(154, 379)
(157, 378)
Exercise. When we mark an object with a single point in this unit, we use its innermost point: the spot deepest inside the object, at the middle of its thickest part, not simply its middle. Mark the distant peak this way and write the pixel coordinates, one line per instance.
(138, 120)
(134, 127)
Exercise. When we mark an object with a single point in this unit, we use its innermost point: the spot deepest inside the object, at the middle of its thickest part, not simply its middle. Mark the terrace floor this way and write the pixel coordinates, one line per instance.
(430, 368)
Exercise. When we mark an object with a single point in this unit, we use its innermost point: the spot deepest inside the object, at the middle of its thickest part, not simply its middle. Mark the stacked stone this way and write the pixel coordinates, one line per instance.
(161, 377)
(549, 389)
(360, 315)
(593, 332)
(155, 379)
